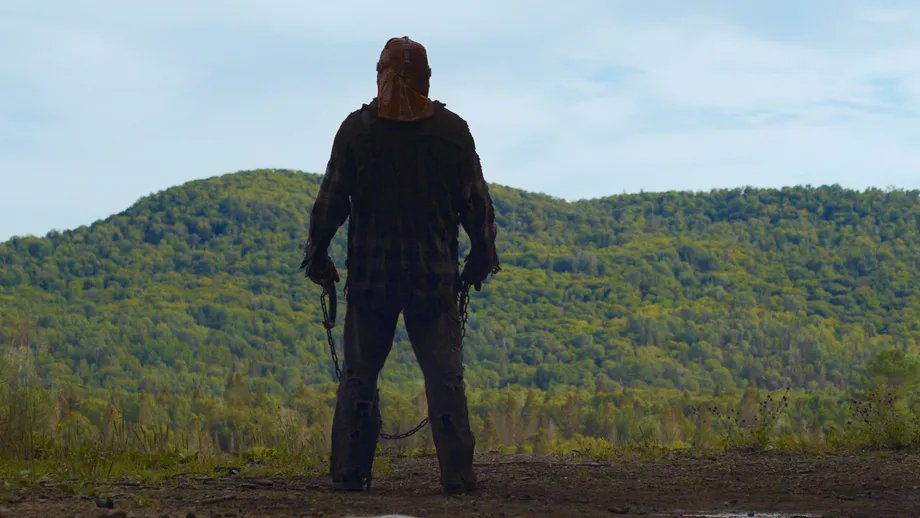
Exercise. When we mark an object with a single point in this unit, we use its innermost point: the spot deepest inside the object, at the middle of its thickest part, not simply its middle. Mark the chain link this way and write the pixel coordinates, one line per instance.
(463, 304)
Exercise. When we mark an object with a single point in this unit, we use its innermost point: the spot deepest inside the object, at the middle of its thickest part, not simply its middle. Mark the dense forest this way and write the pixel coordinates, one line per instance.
(188, 310)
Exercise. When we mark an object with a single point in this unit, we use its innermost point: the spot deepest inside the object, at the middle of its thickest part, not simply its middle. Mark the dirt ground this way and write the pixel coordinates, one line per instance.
(762, 484)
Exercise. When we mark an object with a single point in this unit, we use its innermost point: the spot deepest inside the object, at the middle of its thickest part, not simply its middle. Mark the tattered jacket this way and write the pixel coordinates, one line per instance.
(406, 187)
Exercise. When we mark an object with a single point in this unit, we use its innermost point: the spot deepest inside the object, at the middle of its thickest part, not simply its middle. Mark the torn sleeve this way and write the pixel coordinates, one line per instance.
(477, 215)
(333, 203)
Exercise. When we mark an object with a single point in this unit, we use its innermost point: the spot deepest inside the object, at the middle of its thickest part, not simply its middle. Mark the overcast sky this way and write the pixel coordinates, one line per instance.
(102, 103)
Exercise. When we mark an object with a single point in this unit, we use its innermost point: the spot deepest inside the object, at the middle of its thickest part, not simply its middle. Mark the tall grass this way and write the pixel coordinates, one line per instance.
(46, 433)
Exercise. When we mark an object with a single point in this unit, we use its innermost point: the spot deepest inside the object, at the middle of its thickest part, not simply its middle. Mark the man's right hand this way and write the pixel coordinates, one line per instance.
(474, 273)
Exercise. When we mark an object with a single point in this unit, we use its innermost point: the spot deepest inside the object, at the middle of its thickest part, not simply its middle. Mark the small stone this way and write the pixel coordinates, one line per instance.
(105, 503)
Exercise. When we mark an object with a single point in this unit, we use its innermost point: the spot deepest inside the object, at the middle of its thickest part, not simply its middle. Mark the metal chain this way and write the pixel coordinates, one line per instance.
(329, 324)
(396, 436)
(463, 305)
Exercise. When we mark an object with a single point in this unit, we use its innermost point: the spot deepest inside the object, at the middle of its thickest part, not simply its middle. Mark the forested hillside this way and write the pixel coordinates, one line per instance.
(195, 290)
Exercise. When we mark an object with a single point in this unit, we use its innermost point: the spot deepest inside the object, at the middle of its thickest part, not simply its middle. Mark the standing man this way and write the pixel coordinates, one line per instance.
(405, 170)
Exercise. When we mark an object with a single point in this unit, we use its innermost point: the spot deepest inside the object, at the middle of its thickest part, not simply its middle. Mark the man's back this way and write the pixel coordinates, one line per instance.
(410, 185)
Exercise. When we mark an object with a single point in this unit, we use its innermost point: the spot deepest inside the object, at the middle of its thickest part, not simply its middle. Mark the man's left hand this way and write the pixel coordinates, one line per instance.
(321, 270)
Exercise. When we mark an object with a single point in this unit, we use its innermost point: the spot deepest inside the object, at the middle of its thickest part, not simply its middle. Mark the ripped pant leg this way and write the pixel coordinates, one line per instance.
(356, 424)
(354, 431)
(435, 338)
(450, 427)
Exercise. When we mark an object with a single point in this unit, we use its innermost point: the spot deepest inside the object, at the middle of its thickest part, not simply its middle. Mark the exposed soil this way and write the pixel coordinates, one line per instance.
(761, 484)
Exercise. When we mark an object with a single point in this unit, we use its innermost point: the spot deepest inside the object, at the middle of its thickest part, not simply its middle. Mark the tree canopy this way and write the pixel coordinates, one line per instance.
(694, 291)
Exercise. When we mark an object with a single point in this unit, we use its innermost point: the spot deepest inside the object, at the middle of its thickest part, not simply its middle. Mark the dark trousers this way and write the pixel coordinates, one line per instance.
(434, 331)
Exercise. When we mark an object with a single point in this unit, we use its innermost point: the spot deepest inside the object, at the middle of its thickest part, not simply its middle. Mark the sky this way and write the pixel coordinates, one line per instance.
(102, 103)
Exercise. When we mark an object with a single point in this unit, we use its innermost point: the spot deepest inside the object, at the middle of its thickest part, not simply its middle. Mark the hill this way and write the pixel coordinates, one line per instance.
(195, 290)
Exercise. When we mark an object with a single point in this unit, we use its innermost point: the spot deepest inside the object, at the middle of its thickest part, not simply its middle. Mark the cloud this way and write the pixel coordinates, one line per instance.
(885, 15)
(581, 100)
(707, 103)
